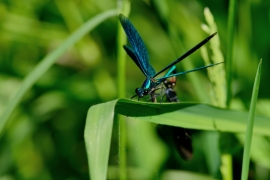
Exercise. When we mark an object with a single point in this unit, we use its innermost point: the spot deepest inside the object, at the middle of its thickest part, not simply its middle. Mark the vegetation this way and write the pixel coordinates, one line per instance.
(60, 58)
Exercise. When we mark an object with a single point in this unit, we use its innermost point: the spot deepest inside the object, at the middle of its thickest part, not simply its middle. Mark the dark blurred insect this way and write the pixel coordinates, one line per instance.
(181, 136)
(169, 84)
(139, 55)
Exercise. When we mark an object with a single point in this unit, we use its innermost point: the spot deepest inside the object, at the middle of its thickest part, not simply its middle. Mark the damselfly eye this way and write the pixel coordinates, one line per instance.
(145, 92)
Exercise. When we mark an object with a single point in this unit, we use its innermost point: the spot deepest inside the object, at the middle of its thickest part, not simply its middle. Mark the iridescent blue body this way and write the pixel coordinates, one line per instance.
(139, 55)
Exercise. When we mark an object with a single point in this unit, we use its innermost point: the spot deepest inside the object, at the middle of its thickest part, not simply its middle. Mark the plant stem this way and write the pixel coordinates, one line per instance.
(121, 64)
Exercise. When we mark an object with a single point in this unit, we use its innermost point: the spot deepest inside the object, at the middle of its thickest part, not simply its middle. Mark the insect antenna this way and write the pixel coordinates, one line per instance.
(134, 96)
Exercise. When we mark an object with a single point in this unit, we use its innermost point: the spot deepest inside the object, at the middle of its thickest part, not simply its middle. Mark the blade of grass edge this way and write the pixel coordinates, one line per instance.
(97, 137)
(49, 60)
(193, 116)
(249, 131)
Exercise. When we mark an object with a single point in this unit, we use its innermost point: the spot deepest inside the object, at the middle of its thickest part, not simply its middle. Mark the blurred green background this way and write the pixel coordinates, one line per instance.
(44, 137)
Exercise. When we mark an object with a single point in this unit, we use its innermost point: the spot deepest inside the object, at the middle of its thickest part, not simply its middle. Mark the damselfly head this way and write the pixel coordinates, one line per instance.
(140, 92)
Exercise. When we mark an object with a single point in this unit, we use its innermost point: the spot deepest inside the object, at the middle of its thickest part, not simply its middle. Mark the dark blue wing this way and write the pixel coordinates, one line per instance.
(185, 72)
(138, 47)
(192, 50)
(131, 54)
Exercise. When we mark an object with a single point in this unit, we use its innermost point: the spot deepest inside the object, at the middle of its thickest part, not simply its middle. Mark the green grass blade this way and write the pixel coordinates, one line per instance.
(231, 29)
(49, 60)
(188, 115)
(192, 115)
(249, 131)
(97, 135)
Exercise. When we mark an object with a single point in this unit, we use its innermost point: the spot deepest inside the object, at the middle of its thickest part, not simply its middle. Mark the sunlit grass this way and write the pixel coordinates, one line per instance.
(45, 120)
(49, 60)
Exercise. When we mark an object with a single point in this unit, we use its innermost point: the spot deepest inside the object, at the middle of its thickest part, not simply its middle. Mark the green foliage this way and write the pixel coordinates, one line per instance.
(49, 60)
(44, 99)
(251, 118)
(194, 116)
(97, 136)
